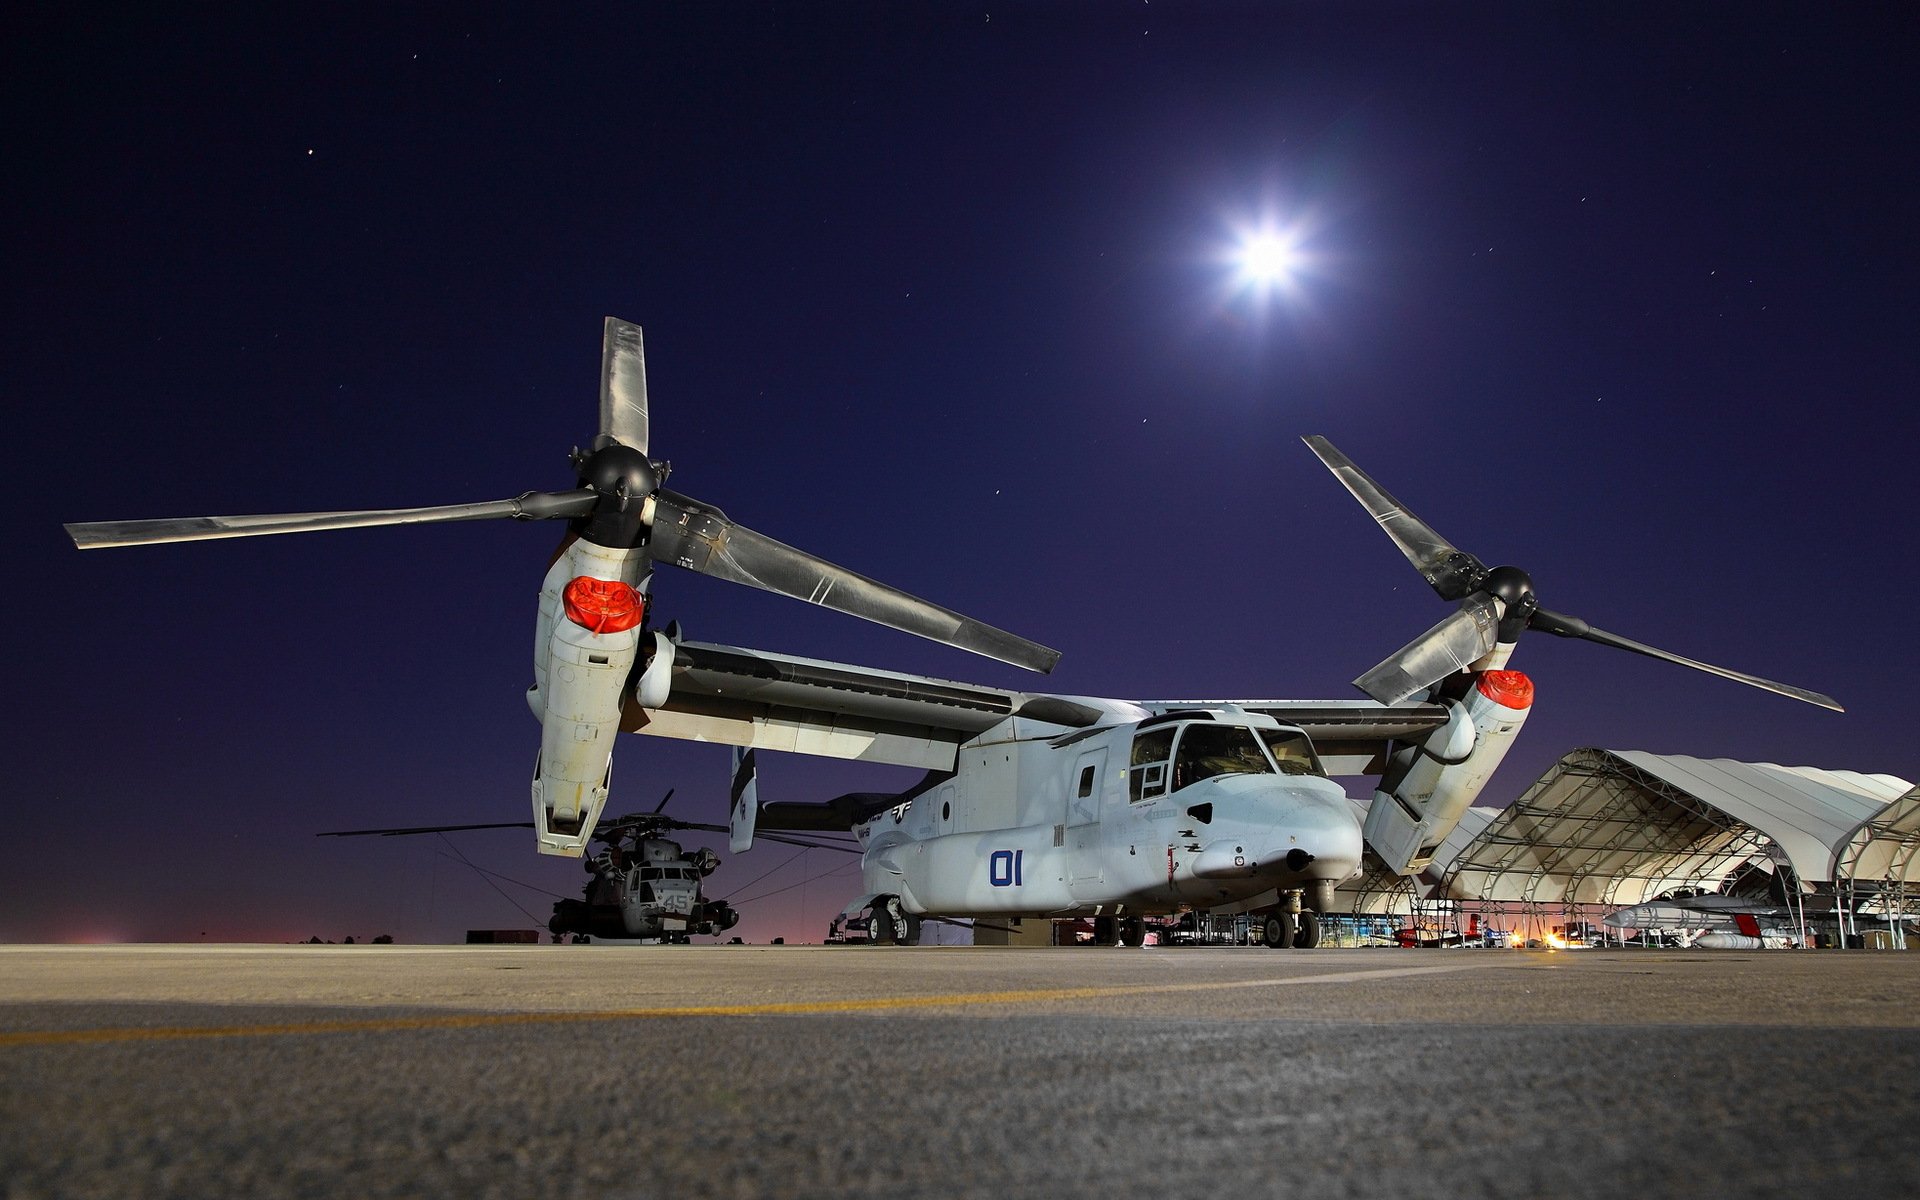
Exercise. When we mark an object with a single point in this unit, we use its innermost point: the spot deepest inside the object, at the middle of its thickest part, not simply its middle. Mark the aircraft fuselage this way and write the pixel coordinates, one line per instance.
(1144, 817)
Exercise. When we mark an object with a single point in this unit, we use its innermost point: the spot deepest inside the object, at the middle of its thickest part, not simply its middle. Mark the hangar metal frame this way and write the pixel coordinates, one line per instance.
(1877, 864)
(1602, 829)
(1590, 829)
(1611, 828)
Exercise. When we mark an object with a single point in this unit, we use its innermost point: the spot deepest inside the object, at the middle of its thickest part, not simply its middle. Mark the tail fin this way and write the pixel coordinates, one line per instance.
(745, 813)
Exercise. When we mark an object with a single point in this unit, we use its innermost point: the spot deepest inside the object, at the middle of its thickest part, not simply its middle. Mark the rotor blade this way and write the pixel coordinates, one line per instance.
(663, 801)
(843, 847)
(423, 829)
(1573, 627)
(1445, 566)
(623, 385)
(696, 537)
(533, 506)
(1465, 636)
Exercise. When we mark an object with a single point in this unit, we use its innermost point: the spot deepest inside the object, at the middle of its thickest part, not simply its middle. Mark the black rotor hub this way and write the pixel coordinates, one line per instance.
(1514, 588)
(618, 472)
(624, 478)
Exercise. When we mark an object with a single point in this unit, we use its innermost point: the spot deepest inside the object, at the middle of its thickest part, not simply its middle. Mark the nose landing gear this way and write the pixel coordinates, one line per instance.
(1290, 927)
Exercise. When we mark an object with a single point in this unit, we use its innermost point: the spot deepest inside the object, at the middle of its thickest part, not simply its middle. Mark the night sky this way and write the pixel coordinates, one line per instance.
(1621, 294)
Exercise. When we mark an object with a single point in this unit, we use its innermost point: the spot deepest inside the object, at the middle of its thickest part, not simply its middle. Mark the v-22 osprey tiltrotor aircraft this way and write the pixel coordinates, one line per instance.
(1034, 804)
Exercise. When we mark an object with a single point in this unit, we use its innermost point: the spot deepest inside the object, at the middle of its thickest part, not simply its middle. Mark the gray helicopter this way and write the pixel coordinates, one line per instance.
(641, 885)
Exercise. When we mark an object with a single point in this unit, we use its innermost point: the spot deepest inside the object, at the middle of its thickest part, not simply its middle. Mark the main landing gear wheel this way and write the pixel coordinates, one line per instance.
(1133, 931)
(909, 927)
(1277, 931)
(880, 928)
(1309, 934)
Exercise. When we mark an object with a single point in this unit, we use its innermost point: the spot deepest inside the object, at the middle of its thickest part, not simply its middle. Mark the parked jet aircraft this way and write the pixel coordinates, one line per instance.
(1714, 922)
(1033, 804)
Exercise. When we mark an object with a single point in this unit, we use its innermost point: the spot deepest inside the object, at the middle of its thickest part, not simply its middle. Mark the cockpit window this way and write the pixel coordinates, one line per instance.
(1147, 769)
(1208, 749)
(1292, 751)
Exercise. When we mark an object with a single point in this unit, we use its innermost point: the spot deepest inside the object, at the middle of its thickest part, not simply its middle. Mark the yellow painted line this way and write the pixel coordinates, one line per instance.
(83, 1037)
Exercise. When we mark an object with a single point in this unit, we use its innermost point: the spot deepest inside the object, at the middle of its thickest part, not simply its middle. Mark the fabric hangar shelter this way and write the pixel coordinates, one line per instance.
(1610, 828)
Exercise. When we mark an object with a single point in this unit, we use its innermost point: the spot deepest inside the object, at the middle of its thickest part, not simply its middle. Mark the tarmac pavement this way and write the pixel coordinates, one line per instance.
(719, 1071)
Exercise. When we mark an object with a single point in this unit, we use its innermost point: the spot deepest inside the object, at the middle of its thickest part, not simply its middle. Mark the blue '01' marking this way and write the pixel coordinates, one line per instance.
(1006, 868)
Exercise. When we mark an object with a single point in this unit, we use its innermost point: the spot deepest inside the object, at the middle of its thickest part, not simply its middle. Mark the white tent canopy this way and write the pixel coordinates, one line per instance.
(1619, 827)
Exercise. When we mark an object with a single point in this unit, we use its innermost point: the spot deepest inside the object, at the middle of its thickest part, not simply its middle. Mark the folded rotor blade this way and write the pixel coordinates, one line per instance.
(1462, 638)
(623, 385)
(1444, 565)
(699, 538)
(1573, 627)
(533, 506)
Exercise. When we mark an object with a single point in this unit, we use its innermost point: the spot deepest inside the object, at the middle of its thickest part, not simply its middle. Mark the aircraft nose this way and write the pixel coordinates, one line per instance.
(1318, 839)
(1294, 832)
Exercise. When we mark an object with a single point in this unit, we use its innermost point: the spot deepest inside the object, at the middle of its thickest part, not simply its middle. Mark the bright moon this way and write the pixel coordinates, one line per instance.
(1267, 259)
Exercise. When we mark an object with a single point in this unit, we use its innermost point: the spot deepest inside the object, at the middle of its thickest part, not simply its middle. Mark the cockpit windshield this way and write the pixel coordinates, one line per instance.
(1207, 750)
(1292, 751)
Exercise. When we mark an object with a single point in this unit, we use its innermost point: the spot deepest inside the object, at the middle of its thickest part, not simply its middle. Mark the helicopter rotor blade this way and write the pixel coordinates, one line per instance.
(698, 537)
(423, 829)
(843, 847)
(623, 386)
(1450, 571)
(663, 801)
(1562, 625)
(1462, 638)
(530, 506)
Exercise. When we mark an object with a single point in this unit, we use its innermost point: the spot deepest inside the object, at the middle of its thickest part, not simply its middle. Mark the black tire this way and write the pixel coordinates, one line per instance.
(910, 930)
(1308, 935)
(880, 928)
(1277, 931)
(1133, 932)
(1103, 931)
(569, 916)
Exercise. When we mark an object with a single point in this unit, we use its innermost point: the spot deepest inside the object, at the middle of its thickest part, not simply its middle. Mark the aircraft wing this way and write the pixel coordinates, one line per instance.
(736, 696)
(1351, 736)
(741, 697)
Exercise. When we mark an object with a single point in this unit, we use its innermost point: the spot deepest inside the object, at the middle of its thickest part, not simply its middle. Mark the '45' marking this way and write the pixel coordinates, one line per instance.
(1006, 868)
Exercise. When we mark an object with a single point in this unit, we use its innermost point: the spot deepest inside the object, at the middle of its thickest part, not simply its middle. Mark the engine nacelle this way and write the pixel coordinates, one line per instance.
(1427, 787)
(591, 605)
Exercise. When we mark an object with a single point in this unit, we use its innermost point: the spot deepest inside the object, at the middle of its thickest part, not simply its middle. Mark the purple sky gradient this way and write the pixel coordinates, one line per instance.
(1620, 294)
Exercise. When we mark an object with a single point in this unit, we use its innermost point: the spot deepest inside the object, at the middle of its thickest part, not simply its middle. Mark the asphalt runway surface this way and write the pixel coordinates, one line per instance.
(608, 1072)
